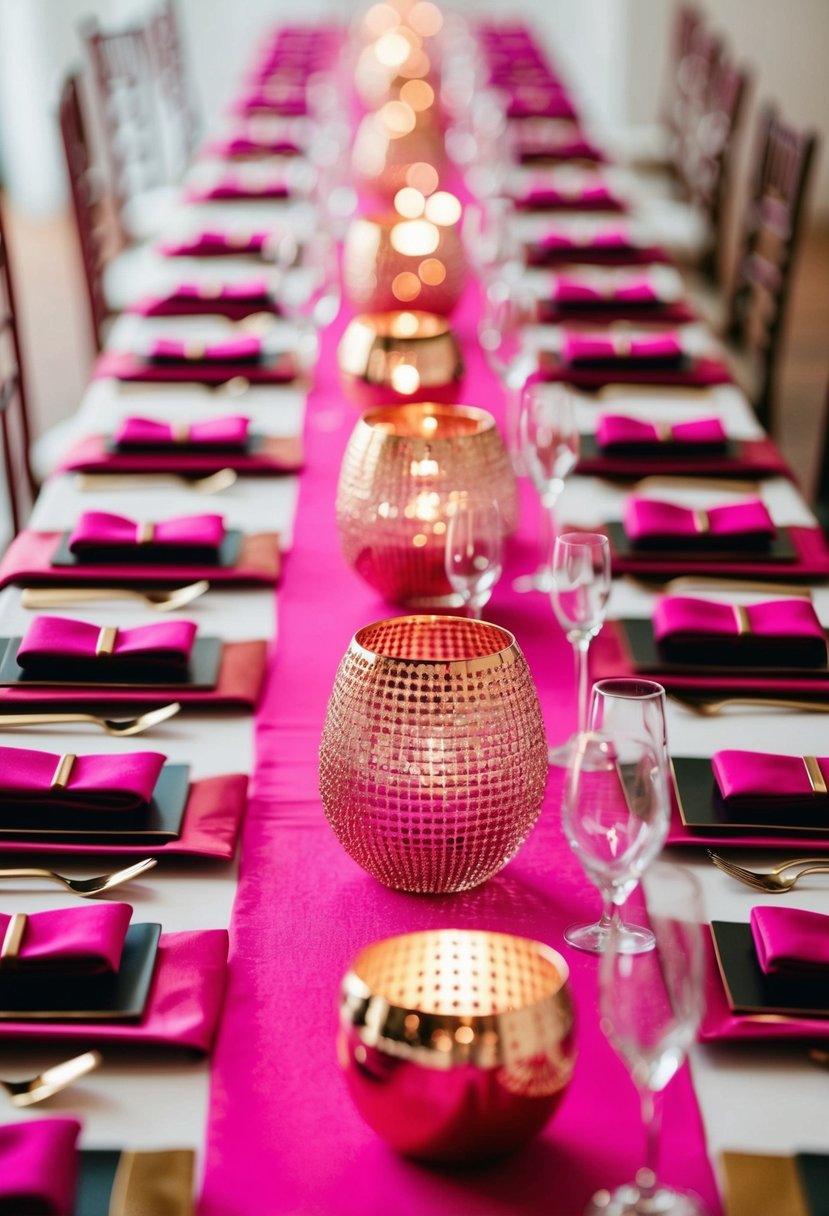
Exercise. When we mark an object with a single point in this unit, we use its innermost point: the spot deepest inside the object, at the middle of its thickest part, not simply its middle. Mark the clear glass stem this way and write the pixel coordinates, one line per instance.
(580, 648)
(547, 530)
(512, 397)
(651, 1105)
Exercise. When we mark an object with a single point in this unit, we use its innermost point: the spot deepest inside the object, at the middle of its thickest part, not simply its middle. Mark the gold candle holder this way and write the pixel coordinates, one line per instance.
(390, 262)
(399, 356)
(433, 760)
(403, 467)
(457, 1045)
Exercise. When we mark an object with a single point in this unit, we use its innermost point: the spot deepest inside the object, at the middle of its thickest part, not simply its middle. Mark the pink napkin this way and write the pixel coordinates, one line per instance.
(120, 782)
(760, 779)
(229, 431)
(215, 244)
(650, 522)
(87, 939)
(38, 1167)
(619, 431)
(237, 146)
(52, 638)
(183, 1009)
(790, 940)
(603, 238)
(269, 456)
(247, 349)
(123, 365)
(589, 198)
(99, 532)
(677, 616)
(569, 289)
(280, 98)
(580, 348)
(234, 300)
(228, 189)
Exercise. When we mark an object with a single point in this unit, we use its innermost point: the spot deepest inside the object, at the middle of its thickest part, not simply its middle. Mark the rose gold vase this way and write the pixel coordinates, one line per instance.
(387, 357)
(433, 760)
(391, 263)
(403, 467)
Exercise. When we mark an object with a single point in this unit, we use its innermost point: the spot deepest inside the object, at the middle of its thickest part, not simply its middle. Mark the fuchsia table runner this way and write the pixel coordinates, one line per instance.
(283, 1135)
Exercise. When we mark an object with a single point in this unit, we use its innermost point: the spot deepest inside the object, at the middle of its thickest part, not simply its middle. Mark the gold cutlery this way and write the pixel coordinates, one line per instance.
(85, 887)
(709, 709)
(163, 599)
(51, 1080)
(212, 483)
(774, 882)
(668, 482)
(687, 582)
(122, 727)
(818, 1056)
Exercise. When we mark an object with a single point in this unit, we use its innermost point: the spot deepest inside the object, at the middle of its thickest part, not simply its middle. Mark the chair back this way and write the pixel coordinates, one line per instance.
(771, 234)
(88, 203)
(15, 431)
(127, 111)
(168, 61)
(821, 495)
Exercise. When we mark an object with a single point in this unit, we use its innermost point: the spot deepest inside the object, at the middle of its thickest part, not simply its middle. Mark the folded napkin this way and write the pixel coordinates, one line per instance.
(87, 939)
(237, 146)
(784, 633)
(103, 536)
(652, 524)
(38, 1167)
(229, 431)
(280, 98)
(228, 189)
(619, 431)
(580, 350)
(570, 289)
(791, 941)
(247, 349)
(762, 780)
(235, 300)
(617, 237)
(215, 244)
(587, 198)
(122, 782)
(51, 642)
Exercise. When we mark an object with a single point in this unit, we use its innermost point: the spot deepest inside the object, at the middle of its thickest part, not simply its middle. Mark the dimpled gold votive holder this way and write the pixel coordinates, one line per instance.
(390, 262)
(399, 356)
(457, 1045)
(403, 468)
(433, 760)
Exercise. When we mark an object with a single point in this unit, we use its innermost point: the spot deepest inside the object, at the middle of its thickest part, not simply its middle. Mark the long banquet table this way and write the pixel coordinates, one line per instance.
(270, 1114)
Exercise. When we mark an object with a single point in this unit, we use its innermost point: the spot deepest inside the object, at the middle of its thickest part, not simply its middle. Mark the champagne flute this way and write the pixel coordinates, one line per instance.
(615, 818)
(507, 308)
(474, 550)
(628, 702)
(309, 288)
(550, 442)
(581, 586)
(650, 1007)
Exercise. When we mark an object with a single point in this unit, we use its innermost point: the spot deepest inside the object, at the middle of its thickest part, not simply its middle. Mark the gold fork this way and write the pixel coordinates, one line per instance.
(709, 709)
(119, 727)
(85, 887)
(163, 599)
(51, 1080)
(772, 881)
(212, 483)
(687, 582)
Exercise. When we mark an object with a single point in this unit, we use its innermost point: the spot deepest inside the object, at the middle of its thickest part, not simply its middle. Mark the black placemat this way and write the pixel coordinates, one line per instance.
(779, 549)
(701, 806)
(750, 991)
(725, 656)
(226, 555)
(109, 671)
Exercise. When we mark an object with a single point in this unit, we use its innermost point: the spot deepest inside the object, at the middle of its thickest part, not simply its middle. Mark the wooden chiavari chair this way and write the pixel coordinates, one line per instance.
(821, 495)
(771, 234)
(21, 486)
(168, 60)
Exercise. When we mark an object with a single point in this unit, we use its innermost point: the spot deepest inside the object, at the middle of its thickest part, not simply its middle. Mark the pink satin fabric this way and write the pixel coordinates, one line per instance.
(616, 237)
(87, 939)
(651, 519)
(594, 348)
(760, 778)
(228, 431)
(102, 529)
(234, 350)
(228, 189)
(696, 373)
(590, 198)
(64, 638)
(271, 456)
(791, 940)
(239, 146)
(685, 616)
(182, 1011)
(617, 430)
(570, 289)
(118, 782)
(124, 365)
(38, 1167)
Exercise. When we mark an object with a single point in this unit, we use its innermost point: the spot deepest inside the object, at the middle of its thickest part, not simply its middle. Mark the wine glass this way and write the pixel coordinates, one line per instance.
(581, 586)
(507, 308)
(489, 240)
(308, 291)
(550, 443)
(628, 702)
(474, 550)
(615, 818)
(650, 1007)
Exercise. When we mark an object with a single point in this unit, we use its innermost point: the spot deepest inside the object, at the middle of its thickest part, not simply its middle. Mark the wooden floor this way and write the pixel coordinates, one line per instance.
(58, 343)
